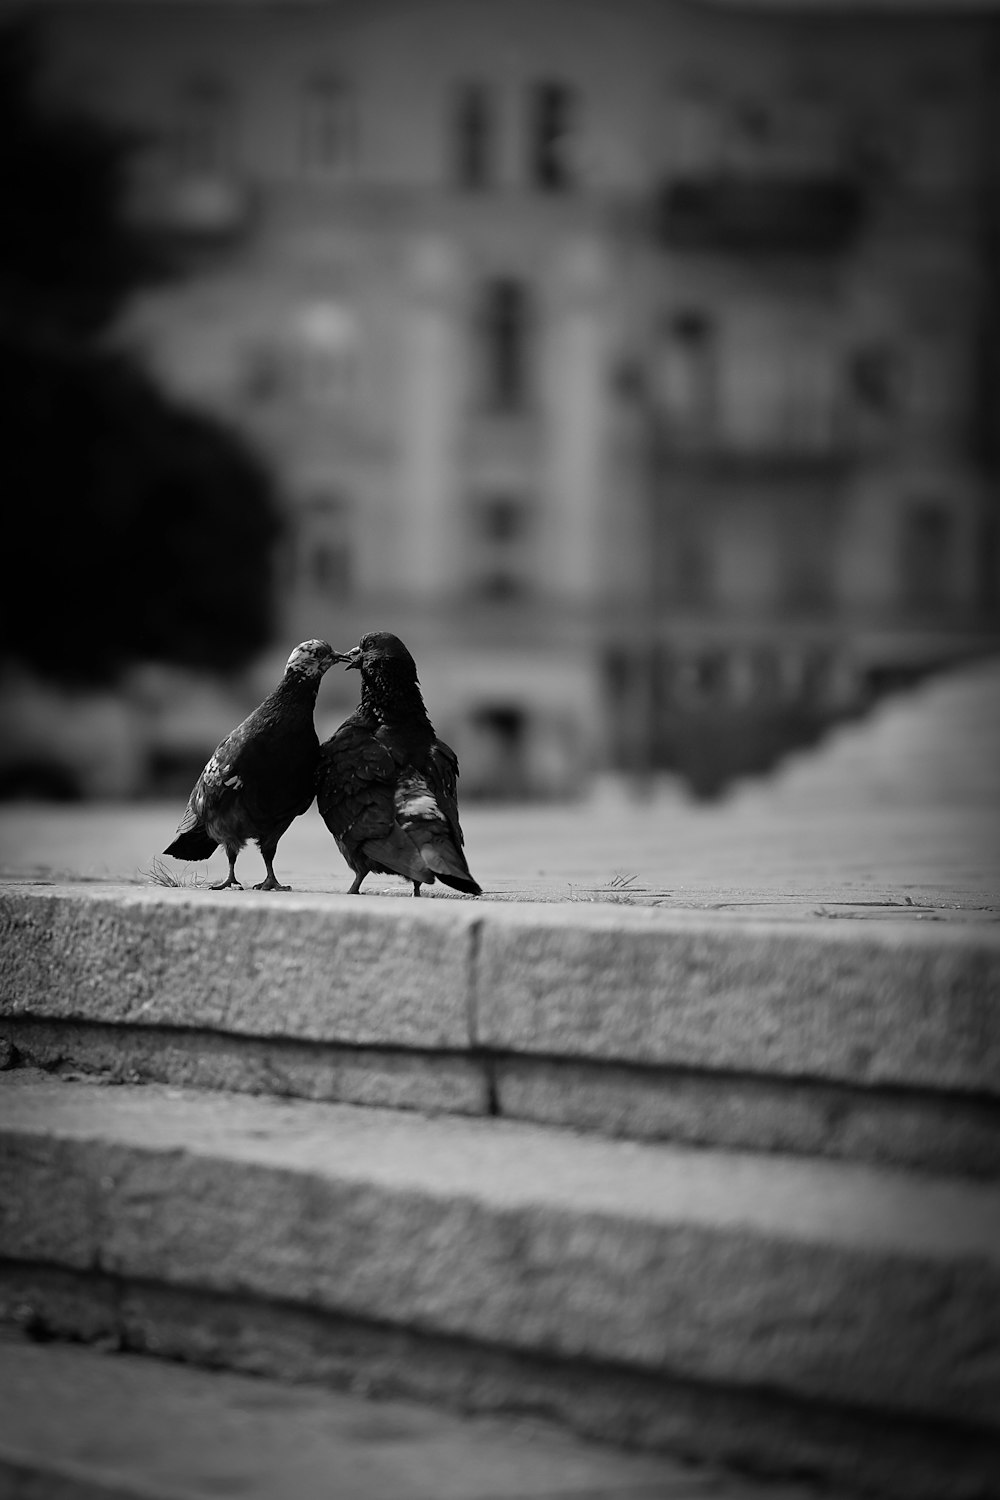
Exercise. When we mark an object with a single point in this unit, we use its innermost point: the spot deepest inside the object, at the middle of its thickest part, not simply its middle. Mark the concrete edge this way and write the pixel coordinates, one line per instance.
(836, 1283)
(923, 1131)
(893, 1005)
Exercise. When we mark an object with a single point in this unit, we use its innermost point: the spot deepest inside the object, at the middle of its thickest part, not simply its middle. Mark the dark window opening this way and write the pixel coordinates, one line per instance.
(503, 520)
(502, 767)
(326, 127)
(692, 580)
(330, 570)
(551, 137)
(474, 143)
(506, 320)
(501, 585)
(204, 134)
(928, 551)
(691, 328)
(687, 379)
(874, 374)
(508, 724)
(754, 123)
(501, 564)
(326, 552)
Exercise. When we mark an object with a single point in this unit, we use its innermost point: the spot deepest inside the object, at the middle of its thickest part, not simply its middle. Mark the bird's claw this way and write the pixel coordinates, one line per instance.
(271, 885)
(226, 885)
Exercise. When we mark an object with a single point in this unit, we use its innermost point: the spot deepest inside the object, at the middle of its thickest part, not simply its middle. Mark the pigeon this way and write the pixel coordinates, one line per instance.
(386, 783)
(262, 775)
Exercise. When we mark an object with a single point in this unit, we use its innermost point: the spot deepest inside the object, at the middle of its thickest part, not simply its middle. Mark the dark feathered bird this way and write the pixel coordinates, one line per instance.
(263, 775)
(386, 784)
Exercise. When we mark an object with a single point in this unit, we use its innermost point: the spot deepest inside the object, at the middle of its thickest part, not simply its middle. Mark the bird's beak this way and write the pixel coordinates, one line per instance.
(340, 656)
(353, 658)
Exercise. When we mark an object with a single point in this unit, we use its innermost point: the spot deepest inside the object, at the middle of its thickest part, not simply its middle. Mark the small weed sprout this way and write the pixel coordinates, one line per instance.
(161, 874)
(620, 890)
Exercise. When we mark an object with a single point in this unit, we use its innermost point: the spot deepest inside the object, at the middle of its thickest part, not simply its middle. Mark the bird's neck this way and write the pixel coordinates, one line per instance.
(388, 701)
(297, 690)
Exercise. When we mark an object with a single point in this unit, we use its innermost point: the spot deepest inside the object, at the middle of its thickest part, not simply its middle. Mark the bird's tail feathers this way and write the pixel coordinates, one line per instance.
(448, 864)
(397, 855)
(460, 883)
(192, 843)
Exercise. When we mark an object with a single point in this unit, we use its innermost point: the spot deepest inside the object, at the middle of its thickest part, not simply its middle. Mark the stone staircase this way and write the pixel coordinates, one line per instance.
(721, 1188)
(938, 743)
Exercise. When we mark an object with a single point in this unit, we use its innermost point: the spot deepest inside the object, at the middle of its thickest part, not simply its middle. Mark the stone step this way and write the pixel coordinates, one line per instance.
(801, 1316)
(77, 1424)
(866, 1041)
(940, 740)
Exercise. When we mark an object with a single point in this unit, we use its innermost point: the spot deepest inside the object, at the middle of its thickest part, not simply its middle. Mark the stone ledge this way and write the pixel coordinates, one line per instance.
(927, 1131)
(897, 1005)
(850, 1003)
(276, 965)
(834, 1284)
(390, 1078)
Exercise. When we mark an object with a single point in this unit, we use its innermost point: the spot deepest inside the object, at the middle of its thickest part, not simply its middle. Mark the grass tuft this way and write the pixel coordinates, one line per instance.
(620, 890)
(161, 874)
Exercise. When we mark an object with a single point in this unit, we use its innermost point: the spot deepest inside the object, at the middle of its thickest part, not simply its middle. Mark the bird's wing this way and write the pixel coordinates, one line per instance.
(442, 777)
(355, 785)
(262, 772)
(427, 811)
(217, 786)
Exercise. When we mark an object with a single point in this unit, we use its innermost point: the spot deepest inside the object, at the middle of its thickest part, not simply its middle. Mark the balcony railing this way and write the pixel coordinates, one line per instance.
(745, 211)
(778, 458)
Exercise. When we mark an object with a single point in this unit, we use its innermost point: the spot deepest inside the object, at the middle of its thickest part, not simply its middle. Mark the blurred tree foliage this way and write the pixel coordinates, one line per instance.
(136, 528)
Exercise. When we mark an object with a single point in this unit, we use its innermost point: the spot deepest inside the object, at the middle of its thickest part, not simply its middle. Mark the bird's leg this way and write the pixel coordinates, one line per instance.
(416, 887)
(271, 881)
(230, 884)
(356, 887)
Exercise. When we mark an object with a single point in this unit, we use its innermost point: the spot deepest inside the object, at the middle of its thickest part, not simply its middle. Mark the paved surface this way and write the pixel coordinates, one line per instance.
(896, 815)
(754, 858)
(179, 1432)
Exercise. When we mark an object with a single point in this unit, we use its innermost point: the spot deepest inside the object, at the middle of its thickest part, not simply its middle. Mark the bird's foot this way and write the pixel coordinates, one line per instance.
(227, 885)
(270, 884)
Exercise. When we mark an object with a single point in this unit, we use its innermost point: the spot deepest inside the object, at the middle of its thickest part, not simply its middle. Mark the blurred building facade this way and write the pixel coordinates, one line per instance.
(634, 361)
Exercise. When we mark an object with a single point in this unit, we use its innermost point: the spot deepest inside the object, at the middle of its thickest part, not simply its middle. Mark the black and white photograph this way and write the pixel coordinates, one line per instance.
(500, 750)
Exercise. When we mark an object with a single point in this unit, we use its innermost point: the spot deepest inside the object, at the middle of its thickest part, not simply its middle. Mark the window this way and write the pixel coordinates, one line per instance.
(928, 543)
(204, 130)
(500, 545)
(694, 133)
(551, 137)
(751, 137)
(474, 137)
(261, 377)
(325, 552)
(778, 388)
(326, 133)
(505, 338)
(686, 378)
(874, 373)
